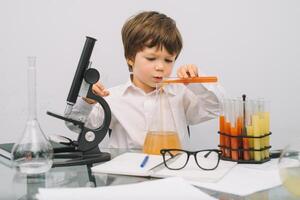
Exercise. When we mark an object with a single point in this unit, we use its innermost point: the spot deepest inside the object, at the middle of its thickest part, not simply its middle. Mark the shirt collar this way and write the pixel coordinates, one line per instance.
(129, 85)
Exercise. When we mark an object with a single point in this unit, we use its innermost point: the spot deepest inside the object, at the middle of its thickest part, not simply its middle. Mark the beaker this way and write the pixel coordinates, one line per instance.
(162, 131)
(33, 153)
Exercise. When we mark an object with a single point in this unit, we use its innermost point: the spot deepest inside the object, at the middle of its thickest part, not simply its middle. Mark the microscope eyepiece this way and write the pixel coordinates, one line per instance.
(81, 69)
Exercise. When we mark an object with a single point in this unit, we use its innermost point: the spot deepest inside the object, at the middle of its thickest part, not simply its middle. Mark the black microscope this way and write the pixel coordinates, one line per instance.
(85, 150)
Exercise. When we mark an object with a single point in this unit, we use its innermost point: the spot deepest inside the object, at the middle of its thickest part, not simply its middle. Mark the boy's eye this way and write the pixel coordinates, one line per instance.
(150, 58)
(168, 60)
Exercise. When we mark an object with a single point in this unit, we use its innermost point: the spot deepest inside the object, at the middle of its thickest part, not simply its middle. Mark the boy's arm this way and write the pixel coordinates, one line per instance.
(87, 111)
(84, 112)
(203, 102)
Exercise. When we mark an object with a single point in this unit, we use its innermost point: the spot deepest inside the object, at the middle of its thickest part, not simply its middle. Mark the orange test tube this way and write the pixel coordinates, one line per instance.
(198, 79)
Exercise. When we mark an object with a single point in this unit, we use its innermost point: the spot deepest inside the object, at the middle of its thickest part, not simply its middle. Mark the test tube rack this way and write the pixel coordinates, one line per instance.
(245, 130)
(245, 153)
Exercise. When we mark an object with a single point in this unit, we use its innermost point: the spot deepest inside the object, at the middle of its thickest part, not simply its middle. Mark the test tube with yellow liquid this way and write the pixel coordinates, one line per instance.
(251, 141)
(256, 124)
(260, 109)
(249, 127)
(266, 116)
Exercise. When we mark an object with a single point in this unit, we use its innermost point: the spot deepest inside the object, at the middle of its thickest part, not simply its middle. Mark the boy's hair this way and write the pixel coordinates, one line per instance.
(150, 29)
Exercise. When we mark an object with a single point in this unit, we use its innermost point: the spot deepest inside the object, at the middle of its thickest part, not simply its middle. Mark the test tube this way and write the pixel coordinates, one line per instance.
(256, 123)
(245, 122)
(222, 127)
(234, 129)
(227, 108)
(239, 124)
(260, 111)
(267, 126)
(249, 126)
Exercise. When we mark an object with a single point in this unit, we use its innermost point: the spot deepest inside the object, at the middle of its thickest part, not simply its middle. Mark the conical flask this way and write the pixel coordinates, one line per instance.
(33, 153)
(162, 133)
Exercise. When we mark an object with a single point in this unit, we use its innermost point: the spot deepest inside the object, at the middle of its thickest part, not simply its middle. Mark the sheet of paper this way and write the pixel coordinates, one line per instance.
(267, 166)
(129, 164)
(244, 180)
(162, 189)
(193, 173)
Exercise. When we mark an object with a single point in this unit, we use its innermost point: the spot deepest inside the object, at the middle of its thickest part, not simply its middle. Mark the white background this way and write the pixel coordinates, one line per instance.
(253, 46)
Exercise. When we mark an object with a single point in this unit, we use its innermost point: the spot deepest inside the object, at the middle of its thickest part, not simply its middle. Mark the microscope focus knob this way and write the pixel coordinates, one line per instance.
(91, 76)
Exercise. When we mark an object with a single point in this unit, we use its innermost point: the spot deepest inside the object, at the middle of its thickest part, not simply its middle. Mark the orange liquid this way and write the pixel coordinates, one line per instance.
(239, 125)
(234, 144)
(222, 130)
(155, 141)
(227, 139)
(246, 146)
(200, 79)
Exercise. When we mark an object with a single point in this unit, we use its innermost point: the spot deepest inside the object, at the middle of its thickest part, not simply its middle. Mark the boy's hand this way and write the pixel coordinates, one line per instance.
(98, 89)
(187, 71)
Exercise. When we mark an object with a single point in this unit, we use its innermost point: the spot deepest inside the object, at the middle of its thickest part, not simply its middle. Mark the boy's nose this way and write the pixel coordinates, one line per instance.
(159, 67)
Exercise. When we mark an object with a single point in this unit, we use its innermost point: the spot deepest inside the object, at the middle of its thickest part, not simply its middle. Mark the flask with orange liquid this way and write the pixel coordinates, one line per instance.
(162, 132)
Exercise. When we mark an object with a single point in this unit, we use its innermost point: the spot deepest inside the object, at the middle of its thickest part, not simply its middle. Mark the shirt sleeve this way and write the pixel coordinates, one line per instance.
(91, 115)
(202, 102)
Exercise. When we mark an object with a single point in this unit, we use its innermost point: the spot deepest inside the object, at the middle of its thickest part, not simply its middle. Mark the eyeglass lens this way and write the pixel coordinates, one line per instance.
(177, 159)
(207, 159)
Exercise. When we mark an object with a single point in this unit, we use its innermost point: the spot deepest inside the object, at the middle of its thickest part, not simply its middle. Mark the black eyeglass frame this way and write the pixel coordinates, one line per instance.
(189, 153)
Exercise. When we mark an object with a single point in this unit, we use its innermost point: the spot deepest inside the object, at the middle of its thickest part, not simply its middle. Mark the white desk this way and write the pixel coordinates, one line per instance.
(16, 186)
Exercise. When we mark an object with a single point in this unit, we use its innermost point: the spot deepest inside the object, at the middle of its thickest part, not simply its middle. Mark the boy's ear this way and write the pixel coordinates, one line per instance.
(130, 62)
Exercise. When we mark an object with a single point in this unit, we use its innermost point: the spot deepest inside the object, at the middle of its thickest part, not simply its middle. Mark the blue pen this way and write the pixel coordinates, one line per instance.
(144, 162)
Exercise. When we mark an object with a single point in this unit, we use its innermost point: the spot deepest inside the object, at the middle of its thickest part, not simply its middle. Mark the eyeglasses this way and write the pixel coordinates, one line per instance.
(176, 159)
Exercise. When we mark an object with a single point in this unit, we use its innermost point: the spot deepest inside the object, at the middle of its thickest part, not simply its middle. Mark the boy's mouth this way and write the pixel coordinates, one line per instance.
(157, 79)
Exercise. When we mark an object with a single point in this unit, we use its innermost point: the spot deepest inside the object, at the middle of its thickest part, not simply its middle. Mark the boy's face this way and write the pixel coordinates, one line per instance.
(150, 66)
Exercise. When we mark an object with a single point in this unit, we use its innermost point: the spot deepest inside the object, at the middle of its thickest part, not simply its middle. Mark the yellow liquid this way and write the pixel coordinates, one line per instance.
(155, 141)
(251, 141)
(266, 116)
(257, 141)
(291, 179)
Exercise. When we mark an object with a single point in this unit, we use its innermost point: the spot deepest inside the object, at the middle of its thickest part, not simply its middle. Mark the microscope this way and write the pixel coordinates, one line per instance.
(85, 150)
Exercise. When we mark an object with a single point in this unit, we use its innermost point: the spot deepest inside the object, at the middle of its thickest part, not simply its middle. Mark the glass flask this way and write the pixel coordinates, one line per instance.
(33, 153)
(162, 131)
(289, 167)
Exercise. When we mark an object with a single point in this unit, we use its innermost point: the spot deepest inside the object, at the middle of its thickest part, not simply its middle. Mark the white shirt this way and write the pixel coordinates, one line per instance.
(132, 111)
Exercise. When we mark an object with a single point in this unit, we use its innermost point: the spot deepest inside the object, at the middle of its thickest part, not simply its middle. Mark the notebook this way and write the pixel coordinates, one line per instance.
(129, 164)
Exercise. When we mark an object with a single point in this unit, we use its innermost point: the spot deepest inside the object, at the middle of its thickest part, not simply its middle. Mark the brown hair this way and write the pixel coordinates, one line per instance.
(150, 29)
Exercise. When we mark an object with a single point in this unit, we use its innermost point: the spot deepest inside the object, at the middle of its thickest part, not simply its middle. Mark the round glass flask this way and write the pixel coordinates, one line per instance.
(289, 167)
(33, 153)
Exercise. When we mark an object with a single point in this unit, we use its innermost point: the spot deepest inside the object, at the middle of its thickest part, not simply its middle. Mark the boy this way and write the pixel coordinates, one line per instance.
(152, 43)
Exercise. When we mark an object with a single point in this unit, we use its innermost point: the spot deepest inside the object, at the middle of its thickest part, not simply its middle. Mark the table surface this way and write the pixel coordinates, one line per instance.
(17, 186)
